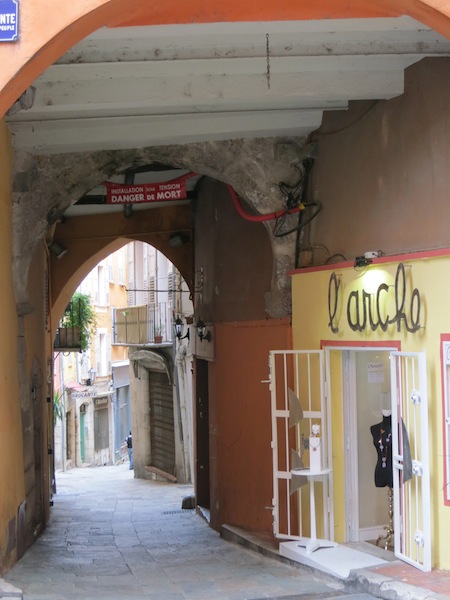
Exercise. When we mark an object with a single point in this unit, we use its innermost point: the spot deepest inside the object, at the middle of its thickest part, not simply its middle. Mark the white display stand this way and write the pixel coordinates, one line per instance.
(312, 544)
(315, 454)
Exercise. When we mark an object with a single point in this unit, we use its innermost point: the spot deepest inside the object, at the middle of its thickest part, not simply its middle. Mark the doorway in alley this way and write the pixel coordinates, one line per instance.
(387, 465)
(202, 437)
(367, 398)
(162, 430)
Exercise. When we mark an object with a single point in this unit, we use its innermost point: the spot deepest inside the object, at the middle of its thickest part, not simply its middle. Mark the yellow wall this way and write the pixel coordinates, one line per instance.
(37, 418)
(430, 275)
(118, 296)
(11, 457)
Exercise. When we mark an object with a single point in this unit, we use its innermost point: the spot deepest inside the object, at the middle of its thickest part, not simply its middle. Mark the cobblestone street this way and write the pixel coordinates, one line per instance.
(112, 536)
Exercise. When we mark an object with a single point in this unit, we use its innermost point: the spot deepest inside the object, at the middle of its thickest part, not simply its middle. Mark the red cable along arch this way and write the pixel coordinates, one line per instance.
(259, 218)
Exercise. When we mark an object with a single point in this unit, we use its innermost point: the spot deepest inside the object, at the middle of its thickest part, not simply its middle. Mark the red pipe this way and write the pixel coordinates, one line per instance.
(236, 202)
(260, 218)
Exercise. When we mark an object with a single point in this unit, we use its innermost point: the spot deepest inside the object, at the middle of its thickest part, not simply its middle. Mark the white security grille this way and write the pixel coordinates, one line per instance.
(412, 531)
(297, 385)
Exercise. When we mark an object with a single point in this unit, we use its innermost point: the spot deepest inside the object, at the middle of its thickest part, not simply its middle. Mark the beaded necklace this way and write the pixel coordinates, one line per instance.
(383, 444)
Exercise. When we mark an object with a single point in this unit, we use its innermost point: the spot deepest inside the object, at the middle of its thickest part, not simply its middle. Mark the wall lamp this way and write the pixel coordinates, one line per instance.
(178, 327)
(367, 258)
(57, 249)
(92, 374)
(201, 331)
(127, 210)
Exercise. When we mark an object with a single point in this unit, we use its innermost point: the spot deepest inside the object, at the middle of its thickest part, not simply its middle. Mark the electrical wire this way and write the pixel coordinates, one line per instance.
(338, 255)
(280, 221)
(260, 218)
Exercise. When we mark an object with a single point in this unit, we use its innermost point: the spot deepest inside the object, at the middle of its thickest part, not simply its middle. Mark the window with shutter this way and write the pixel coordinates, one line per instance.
(151, 290)
(171, 287)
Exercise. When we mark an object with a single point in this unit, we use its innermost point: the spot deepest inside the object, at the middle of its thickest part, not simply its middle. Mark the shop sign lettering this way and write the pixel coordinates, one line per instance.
(83, 394)
(101, 401)
(365, 311)
(8, 20)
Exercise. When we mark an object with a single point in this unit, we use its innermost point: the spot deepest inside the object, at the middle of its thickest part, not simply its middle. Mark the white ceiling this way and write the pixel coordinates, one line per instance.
(144, 86)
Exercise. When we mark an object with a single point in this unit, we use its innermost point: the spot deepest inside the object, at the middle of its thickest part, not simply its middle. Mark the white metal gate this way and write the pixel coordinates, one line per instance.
(412, 535)
(298, 401)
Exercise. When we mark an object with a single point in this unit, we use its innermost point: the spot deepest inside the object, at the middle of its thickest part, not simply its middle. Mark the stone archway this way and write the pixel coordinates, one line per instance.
(45, 186)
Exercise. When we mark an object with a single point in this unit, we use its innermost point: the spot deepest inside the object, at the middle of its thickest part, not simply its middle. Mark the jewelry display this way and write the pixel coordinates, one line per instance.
(387, 537)
(383, 444)
(382, 440)
(315, 456)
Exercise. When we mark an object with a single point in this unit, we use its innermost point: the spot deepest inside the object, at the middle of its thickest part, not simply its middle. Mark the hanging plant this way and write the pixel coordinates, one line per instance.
(80, 314)
(58, 400)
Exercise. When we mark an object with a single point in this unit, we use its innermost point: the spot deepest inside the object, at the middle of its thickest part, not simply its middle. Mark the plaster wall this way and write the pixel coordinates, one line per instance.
(11, 451)
(140, 419)
(240, 422)
(383, 170)
(234, 267)
(118, 297)
(233, 259)
(36, 402)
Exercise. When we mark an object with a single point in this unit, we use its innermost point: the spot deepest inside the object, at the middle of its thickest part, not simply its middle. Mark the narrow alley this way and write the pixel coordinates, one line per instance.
(112, 536)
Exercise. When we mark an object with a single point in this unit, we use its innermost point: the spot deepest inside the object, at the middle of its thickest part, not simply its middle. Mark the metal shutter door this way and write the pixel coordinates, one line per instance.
(162, 423)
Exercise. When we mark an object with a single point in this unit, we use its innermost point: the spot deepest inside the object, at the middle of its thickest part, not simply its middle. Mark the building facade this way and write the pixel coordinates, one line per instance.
(92, 386)
(161, 382)
(381, 330)
(380, 173)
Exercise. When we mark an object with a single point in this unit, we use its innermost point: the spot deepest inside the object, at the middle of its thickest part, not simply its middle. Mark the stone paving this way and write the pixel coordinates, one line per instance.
(114, 537)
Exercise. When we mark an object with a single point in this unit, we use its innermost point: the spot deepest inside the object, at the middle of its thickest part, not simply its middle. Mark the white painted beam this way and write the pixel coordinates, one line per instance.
(287, 38)
(140, 86)
(77, 135)
(132, 93)
(96, 72)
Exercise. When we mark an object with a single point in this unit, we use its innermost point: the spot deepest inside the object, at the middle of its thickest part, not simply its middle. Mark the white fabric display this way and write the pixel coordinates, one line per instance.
(315, 453)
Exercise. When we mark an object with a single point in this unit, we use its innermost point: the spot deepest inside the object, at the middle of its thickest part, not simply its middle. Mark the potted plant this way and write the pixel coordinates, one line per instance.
(78, 324)
(158, 334)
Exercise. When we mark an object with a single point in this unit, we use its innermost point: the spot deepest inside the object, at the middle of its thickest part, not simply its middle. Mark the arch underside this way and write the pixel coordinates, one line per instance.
(45, 186)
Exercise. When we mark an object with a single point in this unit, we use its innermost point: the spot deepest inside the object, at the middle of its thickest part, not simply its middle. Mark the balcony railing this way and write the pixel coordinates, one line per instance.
(67, 339)
(68, 334)
(146, 324)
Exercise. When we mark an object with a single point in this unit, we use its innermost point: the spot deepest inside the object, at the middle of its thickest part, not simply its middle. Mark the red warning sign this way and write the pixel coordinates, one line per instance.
(146, 192)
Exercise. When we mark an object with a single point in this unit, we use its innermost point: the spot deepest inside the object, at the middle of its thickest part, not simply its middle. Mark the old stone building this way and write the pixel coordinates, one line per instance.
(318, 132)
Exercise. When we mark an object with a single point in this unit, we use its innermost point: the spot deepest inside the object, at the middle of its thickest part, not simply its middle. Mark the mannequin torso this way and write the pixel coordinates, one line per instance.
(382, 440)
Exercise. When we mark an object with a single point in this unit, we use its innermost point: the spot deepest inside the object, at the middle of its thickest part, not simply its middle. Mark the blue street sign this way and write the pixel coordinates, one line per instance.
(9, 20)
